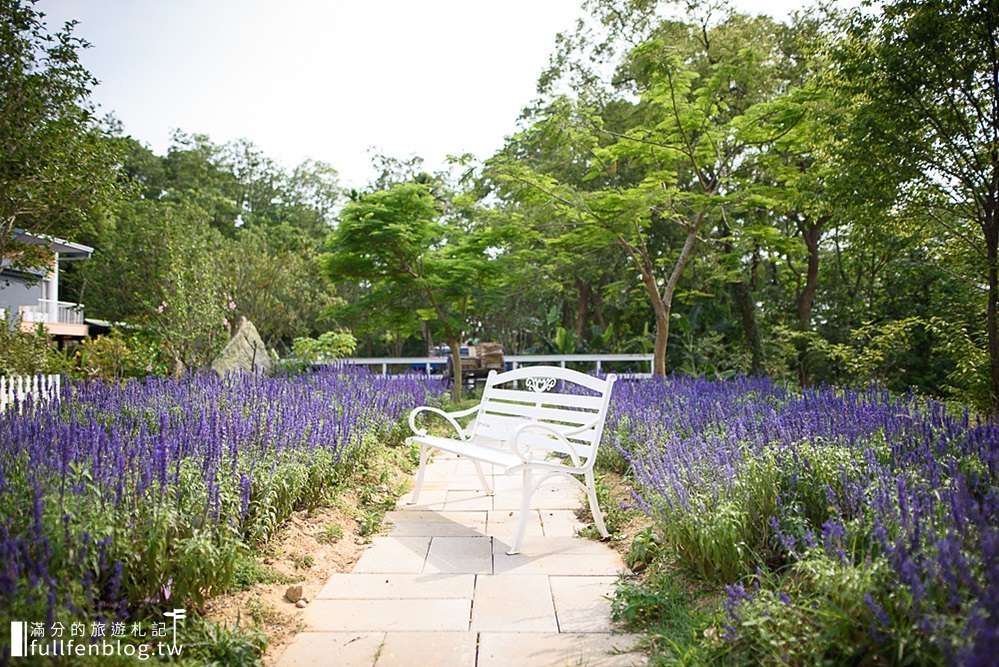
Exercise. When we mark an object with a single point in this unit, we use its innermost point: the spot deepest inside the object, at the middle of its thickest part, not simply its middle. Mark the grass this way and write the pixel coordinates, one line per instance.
(250, 572)
(302, 561)
(330, 534)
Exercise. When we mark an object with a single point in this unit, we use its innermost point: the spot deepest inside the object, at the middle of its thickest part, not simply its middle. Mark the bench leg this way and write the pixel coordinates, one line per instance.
(482, 478)
(424, 455)
(525, 508)
(591, 493)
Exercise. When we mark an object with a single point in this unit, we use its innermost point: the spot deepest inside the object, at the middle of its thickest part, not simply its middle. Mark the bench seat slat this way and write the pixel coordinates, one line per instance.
(567, 400)
(500, 424)
(533, 413)
(501, 436)
(494, 455)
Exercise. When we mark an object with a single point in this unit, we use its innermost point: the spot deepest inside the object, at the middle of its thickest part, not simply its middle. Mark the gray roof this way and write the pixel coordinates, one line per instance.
(67, 249)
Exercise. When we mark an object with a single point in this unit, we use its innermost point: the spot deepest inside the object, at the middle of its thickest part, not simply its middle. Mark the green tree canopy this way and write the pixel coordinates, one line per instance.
(59, 170)
(404, 242)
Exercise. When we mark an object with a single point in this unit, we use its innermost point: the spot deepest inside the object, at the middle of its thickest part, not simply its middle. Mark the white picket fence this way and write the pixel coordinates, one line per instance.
(17, 388)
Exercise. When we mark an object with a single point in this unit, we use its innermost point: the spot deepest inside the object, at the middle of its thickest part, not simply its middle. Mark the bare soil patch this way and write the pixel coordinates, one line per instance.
(306, 551)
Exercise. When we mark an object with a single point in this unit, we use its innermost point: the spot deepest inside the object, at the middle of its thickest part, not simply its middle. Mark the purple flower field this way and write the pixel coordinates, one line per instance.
(862, 522)
(120, 497)
(845, 524)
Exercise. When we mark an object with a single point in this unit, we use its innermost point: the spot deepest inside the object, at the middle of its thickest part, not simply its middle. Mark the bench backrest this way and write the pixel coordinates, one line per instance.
(559, 397)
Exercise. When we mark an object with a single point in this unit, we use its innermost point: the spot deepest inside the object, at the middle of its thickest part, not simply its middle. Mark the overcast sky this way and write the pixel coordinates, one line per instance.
(324, 79)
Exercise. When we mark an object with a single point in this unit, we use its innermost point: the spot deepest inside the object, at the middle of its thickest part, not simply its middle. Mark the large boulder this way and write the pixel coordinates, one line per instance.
(246, 352)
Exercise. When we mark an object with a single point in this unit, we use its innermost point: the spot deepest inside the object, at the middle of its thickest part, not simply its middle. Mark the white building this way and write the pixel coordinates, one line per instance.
(33, 294)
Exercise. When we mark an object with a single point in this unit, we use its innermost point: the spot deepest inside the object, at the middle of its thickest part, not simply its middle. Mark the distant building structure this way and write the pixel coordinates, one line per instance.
(33, 294)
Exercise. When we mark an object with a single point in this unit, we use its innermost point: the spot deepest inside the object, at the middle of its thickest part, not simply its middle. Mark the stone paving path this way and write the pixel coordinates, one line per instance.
(440, 591)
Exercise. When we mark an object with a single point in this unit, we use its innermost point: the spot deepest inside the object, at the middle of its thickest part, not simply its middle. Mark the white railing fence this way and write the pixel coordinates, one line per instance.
(431, 365)
(17, 388)
(66, 312)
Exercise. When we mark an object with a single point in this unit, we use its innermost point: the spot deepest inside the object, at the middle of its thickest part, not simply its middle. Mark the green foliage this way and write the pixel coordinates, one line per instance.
(216, 644)
(822, 612)
(158, 268)
(175, 550)
(933, 139)
(303, 561)
(326, 349)
(120, 355)
(883, 354)
(730, 534)
(249, 572)
(60, 170)
(419, 256)
(615, 515)
(661, 608)
(22, 352)
(645, 547)
(330, 534)
(214, 234)
(273, 277)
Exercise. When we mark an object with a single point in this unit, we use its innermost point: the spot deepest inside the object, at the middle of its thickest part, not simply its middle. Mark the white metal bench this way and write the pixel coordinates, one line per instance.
(550, 427)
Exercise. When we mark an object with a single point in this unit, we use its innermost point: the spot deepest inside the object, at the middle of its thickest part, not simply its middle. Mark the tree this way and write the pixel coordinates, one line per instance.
(270, 226)
(274, 286)
(58, 167)
(925, 76)
(665, 176)
(159, 268)
(403, 240)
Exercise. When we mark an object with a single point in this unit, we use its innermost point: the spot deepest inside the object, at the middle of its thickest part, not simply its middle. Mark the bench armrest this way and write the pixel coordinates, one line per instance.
(449, 416)
(561, 434)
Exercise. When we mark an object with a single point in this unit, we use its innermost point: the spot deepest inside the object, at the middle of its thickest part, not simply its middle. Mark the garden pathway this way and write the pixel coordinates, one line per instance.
(439, 589)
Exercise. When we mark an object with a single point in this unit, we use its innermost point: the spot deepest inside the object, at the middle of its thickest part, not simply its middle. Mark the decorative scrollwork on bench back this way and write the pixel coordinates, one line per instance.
(540, 384)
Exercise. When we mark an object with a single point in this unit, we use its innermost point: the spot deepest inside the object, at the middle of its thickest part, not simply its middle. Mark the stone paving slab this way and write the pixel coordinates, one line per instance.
(536, 649)
(358, 586)
(427, 649)
(544, 498)
(559, 546)
(467, 500)
(555, 564)
(430, 499)
(583, 603)
(399, 555)
(502, 524)
(386, 615)
(513, 603)
(472, 519)
(317, 649)
(560, 523)
(460, 555)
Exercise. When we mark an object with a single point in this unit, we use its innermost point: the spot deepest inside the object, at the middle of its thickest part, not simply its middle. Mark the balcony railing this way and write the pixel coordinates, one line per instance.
(66, 312)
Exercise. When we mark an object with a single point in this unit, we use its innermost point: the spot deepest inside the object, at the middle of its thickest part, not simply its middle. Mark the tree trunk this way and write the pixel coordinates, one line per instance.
(662, 303)
(582, 307)
(747, 314)
(456, 379)
(991, 227)
(659, 306)
(598, 304)
(428, 338)
(811, 235)
(662, 342)
(743, 298)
